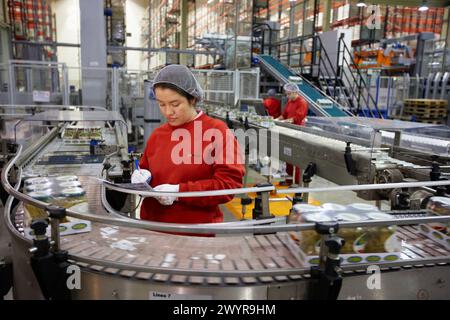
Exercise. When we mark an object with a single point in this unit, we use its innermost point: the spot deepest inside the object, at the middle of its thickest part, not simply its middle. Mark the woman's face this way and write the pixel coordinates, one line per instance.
(292, 95)
(174, 107)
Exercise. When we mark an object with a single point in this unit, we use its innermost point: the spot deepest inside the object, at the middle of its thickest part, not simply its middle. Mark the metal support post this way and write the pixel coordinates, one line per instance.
(66, 88)
(261, 209)
(49, 266)
(327, 276)
(308, 173)
(115, 90)
(12, 84)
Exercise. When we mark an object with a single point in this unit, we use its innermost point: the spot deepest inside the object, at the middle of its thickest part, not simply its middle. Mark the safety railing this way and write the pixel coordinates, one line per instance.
(54, 83)
(340, 79)
(348, 69)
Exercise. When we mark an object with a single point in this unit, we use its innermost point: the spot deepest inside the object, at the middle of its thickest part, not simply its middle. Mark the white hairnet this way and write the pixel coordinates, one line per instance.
(271, 92)
(181, 77)
(291, 87)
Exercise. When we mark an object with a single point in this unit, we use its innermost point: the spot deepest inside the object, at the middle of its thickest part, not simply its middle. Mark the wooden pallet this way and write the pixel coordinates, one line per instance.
(425, 102)
(425, 113)
(426, 110)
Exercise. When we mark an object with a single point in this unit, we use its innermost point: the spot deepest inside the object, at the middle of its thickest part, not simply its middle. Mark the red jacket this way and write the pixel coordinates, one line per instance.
(297, 109)
(273, 107)
(196, 174)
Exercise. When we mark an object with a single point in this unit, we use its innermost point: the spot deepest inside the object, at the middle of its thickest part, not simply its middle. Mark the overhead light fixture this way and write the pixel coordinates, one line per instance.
(423, 7)
(360, 4)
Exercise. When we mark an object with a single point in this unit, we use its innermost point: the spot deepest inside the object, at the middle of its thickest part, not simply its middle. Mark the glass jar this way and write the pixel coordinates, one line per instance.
(299, 209)
(70, 197)
(439, 206)
(376, 238)
(33, 212)
(309, 240)
(351, 235)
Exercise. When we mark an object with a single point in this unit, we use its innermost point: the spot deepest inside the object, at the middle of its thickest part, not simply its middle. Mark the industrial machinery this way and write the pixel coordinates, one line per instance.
(396, 56)
(119, 257)
(351, 150)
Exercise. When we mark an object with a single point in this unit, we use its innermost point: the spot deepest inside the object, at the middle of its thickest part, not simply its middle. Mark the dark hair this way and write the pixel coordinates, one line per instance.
(178, 90)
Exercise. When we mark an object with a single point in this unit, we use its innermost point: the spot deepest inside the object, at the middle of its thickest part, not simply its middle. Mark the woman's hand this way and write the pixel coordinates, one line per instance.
(167, 200)
(141, 176)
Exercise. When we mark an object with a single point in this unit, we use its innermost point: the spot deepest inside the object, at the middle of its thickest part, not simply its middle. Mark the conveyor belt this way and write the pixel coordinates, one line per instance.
(121, 253)
(62, 158)
(112, 244)
(143, 247)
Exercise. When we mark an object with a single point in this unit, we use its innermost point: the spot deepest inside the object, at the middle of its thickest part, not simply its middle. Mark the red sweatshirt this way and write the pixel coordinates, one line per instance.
(273, 107)
(297, 109)
(199, 174)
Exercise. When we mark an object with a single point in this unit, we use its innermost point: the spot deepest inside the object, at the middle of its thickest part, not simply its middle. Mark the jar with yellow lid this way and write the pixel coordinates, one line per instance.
(309, 240)
(377, 238)
(33, 212)
(350, 235)
(69, 197)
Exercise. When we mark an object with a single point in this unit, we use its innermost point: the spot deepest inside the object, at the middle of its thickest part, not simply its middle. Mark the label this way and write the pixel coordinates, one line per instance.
(159, 295)
(287, 151)
(41, 96)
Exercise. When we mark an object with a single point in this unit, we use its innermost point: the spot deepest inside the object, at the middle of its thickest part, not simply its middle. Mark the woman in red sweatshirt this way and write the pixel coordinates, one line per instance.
(272, 105)
(191, 152)
(295, 112)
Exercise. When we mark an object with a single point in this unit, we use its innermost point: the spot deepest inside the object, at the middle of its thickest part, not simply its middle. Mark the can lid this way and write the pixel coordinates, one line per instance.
(334, 206)
(349, 217)
(37, 180)
(304, 207)
(70, 184)
(38, 187)
(41, 194)
(441, 199)
(379, 216)
(317, 217)
(67, 178)
(363, 206)
(72, 192)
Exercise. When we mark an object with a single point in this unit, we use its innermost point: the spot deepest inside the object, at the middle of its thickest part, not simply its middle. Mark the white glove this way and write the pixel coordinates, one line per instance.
(167, 200)
(141, 176)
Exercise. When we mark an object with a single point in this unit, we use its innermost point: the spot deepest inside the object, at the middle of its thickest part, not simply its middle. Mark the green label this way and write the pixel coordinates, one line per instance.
(79, 226)
(391, 257)
(438, 235)
(373, 258)
(354, 259)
